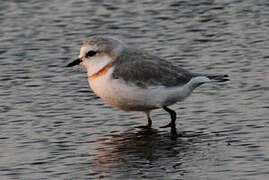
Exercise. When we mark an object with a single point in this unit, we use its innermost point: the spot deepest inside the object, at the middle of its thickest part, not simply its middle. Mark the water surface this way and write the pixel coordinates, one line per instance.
(52, 126)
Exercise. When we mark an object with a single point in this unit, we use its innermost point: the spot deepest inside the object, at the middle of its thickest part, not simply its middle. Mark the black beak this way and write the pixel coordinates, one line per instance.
(74, 63)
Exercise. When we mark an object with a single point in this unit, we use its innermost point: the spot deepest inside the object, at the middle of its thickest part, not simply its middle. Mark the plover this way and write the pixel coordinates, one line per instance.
(132, 79)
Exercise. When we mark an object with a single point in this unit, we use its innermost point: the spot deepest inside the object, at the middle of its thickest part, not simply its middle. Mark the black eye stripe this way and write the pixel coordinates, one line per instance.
(90, 53)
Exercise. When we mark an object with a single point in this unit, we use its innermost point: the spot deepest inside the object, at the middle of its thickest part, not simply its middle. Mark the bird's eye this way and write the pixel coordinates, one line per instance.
(90, 53)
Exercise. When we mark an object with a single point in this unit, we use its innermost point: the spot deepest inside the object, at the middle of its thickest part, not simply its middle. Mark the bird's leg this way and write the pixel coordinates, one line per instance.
(173, 115)
(148, 126)
(149, 120)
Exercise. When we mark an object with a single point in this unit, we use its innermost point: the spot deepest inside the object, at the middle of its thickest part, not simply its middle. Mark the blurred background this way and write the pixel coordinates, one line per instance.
(52, 126)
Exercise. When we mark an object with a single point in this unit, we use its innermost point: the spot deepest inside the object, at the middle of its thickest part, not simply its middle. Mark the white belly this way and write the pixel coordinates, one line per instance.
(133, 98)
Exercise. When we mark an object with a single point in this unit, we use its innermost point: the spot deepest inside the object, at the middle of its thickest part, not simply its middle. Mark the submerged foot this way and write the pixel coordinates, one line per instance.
(173, 133)
(172, 125)
(144, 127)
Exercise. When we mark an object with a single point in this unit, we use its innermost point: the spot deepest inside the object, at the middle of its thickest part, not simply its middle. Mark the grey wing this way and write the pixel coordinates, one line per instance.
(144, 69)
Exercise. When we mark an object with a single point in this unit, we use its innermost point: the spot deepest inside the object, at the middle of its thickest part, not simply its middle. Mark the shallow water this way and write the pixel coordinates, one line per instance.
(52, 126)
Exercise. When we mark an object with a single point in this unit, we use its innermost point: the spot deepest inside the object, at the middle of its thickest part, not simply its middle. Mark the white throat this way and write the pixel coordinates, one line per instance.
(96, 64)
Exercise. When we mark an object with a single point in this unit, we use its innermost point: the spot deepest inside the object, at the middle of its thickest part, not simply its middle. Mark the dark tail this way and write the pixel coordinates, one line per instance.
(219, 78)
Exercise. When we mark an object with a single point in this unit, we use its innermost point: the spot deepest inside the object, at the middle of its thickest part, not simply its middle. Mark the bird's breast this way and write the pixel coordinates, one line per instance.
(101, 82)
(120, 94)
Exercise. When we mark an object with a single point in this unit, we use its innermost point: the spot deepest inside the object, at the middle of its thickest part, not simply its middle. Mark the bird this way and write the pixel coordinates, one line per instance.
(133, 79)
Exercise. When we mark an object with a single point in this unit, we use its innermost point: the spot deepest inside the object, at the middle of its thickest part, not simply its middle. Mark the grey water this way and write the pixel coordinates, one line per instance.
(52, 126)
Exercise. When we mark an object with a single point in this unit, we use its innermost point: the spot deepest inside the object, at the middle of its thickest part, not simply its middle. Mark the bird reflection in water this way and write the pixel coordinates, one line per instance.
(137, 150)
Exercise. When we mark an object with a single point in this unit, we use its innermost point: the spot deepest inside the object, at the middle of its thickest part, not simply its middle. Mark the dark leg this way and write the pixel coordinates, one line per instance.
(173, 115)
(148, 126)
(149, 121)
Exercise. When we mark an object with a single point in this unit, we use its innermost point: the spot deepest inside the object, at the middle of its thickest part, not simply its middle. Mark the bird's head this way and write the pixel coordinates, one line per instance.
(97, 52)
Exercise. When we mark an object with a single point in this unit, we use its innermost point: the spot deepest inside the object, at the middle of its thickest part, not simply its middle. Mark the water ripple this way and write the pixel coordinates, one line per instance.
(54, 127)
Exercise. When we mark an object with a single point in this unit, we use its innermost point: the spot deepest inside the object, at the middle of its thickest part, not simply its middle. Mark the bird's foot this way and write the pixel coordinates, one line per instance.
(144, 127)
(173, 133)
(172, 125)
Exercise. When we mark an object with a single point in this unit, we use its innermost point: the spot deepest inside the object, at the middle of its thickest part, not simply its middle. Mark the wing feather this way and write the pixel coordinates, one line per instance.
(144, 69)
